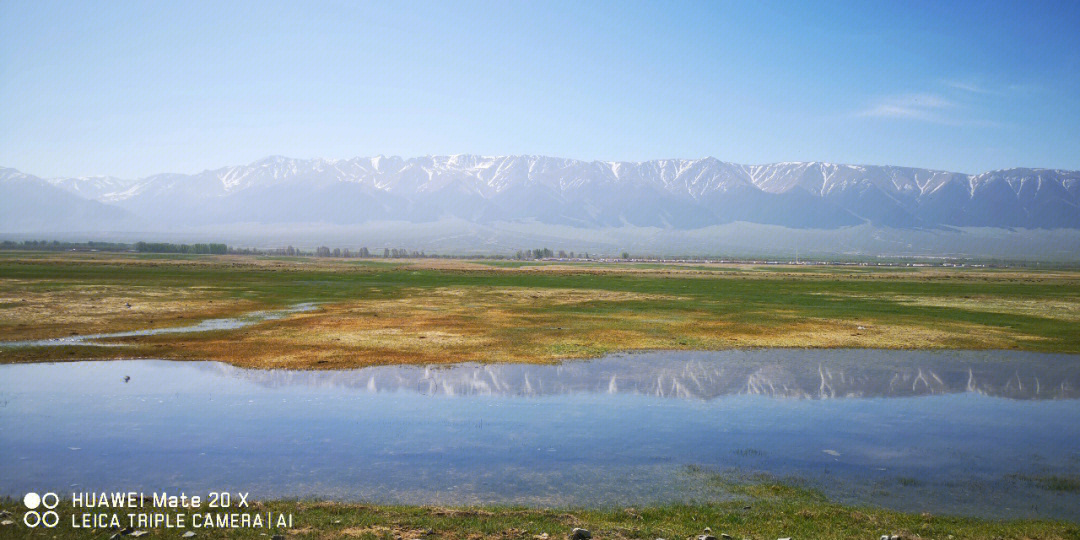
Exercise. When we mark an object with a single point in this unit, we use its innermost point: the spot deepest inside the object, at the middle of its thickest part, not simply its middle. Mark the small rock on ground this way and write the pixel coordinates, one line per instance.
(580, 534)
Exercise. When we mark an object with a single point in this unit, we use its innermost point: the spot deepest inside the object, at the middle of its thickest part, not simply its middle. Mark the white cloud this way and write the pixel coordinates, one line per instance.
(968, 86)
(1004, 91)
(926, 107)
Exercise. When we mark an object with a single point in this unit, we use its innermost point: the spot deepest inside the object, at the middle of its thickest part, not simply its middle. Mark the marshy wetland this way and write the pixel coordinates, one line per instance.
(433, 311)
(836, 400)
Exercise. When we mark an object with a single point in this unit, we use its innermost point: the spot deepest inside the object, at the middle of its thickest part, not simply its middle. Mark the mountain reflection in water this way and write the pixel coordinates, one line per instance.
(972, 433)
(782, 373)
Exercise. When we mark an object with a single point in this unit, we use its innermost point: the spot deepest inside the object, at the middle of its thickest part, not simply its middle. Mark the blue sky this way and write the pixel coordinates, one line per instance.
(131, 89)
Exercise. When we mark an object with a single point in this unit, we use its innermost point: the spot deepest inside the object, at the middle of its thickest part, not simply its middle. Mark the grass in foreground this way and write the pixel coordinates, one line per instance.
(445, 311)
(762, 511)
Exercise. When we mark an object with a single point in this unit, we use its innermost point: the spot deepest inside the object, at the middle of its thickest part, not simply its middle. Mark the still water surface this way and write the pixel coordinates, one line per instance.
(979, 433)
(208, 325)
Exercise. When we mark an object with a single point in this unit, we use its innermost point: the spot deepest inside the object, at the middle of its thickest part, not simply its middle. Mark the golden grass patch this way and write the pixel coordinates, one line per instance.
(34, 313)
(450, 325)
(1063, 309)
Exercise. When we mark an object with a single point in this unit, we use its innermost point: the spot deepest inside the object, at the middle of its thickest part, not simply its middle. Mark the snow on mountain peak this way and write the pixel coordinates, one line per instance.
(664, 192)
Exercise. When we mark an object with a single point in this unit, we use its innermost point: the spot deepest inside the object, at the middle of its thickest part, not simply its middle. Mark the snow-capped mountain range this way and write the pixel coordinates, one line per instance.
(670, 194)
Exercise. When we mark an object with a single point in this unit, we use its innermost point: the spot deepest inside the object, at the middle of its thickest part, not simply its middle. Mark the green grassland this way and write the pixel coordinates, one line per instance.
(382, 311)
(756, 511)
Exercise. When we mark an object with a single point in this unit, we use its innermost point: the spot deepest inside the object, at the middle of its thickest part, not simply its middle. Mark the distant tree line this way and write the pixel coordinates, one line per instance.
(346, 253)
(546, 253)
(54, 245)
(166, 247)
(391, 253)
(289, 251)
(524, 254)
(387, 253)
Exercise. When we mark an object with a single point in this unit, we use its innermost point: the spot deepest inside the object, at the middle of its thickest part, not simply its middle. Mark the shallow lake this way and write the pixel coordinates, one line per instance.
(981, 433)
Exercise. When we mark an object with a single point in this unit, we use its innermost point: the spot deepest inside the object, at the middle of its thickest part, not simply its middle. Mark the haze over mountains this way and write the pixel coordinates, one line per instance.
(667, 195)
(681, 194)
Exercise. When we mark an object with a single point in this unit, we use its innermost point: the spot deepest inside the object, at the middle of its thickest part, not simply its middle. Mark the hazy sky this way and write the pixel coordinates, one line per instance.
(131, 89)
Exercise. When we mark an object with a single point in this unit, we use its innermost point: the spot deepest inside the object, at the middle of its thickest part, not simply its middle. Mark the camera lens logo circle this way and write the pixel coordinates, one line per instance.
(32, 518)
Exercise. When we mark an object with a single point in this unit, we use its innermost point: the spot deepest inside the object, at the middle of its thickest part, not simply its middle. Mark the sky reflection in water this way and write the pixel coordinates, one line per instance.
(955, 432)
